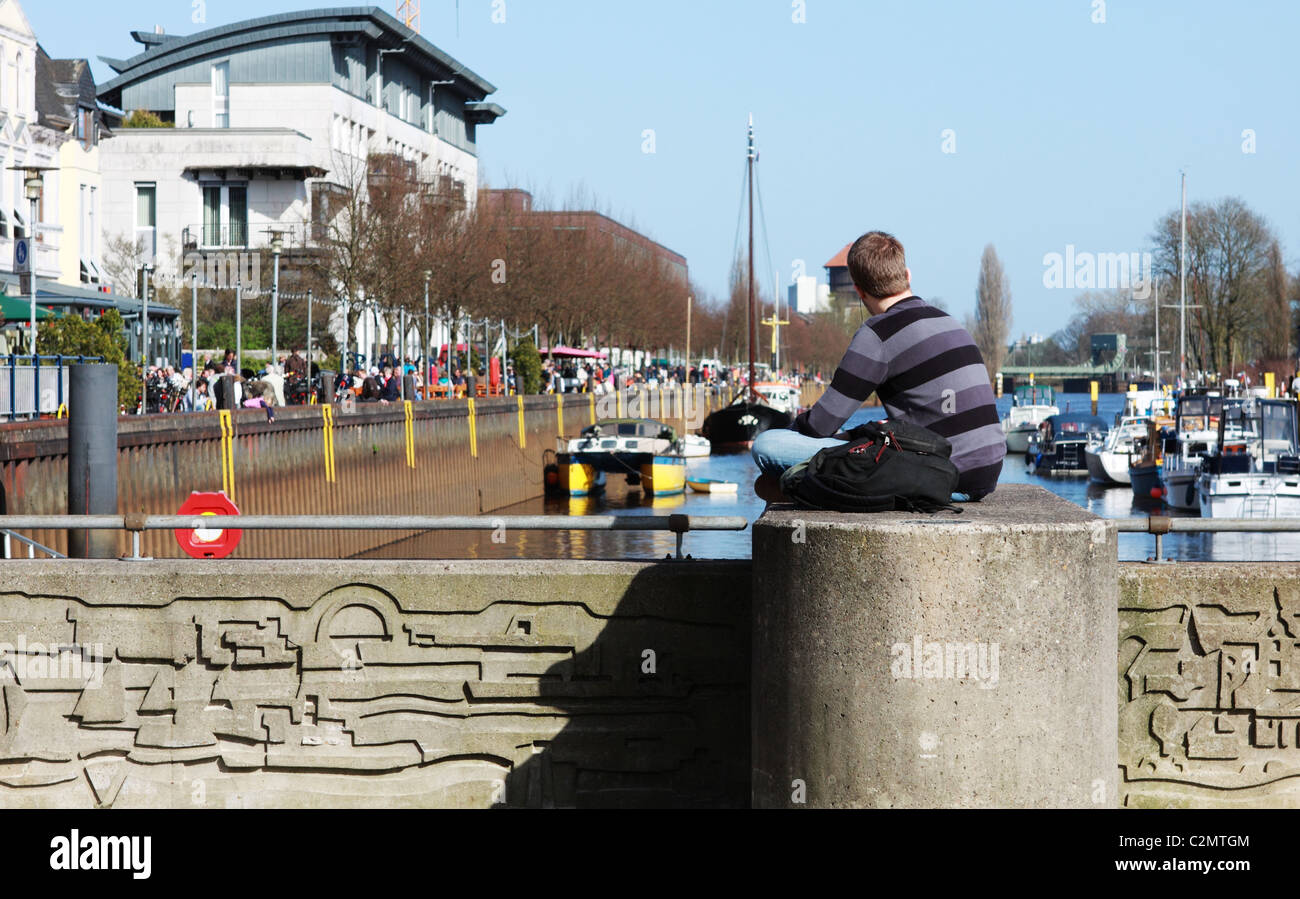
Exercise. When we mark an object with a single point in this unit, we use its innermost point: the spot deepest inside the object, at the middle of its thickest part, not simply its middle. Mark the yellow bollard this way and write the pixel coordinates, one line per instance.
(1094, 391)
(559, 413)
(523, 440)
(473, 431)
(410, 430)
(227, 453)
(327, 438)
(63, 411)
(1270, 384)
(591, 402)
(619, 396)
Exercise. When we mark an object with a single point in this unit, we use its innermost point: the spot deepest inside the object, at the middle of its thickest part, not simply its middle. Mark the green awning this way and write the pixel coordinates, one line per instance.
(19, 309)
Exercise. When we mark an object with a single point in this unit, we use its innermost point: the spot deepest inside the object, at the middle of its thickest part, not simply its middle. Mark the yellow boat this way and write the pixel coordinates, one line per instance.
(579, 478)
(663, 476)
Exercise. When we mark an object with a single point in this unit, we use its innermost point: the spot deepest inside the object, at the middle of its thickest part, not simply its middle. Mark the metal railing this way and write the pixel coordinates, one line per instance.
(1159, 525)
(21, 391)
(138, 524)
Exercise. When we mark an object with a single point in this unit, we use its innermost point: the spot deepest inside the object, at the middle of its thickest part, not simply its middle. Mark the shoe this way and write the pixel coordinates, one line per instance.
(768, 489)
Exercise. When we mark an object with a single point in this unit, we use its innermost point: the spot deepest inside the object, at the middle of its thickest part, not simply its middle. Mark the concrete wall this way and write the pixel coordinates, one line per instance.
(379, 684)
(1209, 685)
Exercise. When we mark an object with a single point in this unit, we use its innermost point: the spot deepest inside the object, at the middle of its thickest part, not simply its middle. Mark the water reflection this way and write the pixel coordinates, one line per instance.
(1106, 502)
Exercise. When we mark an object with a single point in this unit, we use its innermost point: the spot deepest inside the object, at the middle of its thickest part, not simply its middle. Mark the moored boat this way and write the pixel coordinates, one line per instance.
(648, 453)
(1254, 472)
(711, 485)
(1196, 421)
(1031, 405)
(1060, 444)
(734, 427)
(1108, 460)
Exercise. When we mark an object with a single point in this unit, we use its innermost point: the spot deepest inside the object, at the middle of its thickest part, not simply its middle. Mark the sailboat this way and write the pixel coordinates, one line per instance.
(734, 427)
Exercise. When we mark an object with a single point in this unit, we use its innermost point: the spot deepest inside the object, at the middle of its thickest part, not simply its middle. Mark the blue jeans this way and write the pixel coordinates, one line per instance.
(778, 449)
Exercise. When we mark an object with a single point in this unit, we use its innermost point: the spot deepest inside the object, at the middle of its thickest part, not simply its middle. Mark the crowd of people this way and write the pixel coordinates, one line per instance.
(292, 380)
(598, 377)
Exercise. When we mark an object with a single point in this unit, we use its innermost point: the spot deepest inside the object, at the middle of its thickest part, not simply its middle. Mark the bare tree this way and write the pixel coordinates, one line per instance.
(992, 311)
(1276, 337)
(1227, 256)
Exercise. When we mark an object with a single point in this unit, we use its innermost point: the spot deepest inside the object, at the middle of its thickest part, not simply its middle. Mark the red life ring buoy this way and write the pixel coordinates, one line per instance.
(208, 543)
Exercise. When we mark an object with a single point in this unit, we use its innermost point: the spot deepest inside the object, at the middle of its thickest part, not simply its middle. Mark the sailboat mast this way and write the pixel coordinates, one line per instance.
(1182, 285)
(753, 327)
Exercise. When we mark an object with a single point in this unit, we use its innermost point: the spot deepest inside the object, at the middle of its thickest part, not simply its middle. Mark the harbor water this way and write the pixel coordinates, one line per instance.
(1107, 502)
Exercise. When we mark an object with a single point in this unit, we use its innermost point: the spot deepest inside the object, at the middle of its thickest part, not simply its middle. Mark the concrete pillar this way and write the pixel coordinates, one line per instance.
(908, 660)
(92, 456)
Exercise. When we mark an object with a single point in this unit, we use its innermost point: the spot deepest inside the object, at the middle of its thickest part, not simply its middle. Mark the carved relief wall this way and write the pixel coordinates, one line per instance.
(373, 684)
(1209, 685)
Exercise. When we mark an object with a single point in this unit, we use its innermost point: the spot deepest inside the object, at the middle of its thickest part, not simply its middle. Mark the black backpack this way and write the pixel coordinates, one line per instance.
(885, 466)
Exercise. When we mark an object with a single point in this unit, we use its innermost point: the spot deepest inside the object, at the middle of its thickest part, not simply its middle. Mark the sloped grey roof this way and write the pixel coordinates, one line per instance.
(165, 51)
(61, 86)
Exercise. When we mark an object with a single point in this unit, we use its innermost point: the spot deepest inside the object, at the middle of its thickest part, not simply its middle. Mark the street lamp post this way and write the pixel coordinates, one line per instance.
(310, 303)
(147, 270)
(277, 247)
(427, 337)
(33, 183)
(239, 327)
(194, 337)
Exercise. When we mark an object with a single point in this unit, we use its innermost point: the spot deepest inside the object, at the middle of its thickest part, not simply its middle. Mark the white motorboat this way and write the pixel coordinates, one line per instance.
(781, 397)
(693, 446)
(1254, 472)
(1031, 405)
(1109, 460)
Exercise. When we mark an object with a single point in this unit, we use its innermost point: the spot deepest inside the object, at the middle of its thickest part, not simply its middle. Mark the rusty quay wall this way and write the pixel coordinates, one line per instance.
(279, 466)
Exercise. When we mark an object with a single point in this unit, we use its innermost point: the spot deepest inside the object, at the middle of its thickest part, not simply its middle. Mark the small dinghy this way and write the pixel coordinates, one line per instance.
(710, 485)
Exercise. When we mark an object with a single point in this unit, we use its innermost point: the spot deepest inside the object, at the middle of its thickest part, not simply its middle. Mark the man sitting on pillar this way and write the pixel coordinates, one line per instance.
(921, 364)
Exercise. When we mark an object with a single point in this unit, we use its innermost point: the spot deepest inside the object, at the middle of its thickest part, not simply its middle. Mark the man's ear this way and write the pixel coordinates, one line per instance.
(909, 277)
(862, 295)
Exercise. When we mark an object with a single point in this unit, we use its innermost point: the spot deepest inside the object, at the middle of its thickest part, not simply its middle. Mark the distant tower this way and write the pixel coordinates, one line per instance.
(409, 12)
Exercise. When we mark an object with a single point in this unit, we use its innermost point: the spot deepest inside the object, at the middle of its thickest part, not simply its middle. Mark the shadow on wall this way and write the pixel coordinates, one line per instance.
(656, 708)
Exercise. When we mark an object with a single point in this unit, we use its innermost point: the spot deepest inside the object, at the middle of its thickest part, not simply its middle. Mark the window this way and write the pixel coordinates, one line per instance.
(225, 215)
(85, 126)
(4, 224)
(221, 95)
(146, 218)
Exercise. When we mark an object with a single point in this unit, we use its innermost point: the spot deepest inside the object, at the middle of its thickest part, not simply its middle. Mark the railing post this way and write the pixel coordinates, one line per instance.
(92, 456)
(36, 386)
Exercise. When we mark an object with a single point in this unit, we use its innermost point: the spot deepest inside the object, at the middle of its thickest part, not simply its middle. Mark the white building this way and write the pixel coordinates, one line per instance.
(266, 118)
(806, 296)
(24, 143)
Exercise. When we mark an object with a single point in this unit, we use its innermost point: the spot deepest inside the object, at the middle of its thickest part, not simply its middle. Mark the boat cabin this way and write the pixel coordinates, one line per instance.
(1063, 441)
(1258, 435)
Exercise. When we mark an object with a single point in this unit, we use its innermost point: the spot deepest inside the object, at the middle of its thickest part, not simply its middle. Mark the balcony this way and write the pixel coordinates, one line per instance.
(239, 236)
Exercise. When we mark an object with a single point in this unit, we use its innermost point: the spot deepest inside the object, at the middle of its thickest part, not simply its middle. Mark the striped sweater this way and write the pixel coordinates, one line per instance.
(925, 369)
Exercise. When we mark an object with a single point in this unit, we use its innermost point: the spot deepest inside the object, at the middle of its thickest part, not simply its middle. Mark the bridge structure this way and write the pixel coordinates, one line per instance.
(1110, 361)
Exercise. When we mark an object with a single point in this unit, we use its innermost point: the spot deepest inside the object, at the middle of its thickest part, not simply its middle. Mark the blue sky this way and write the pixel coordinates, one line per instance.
(1067, 131)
